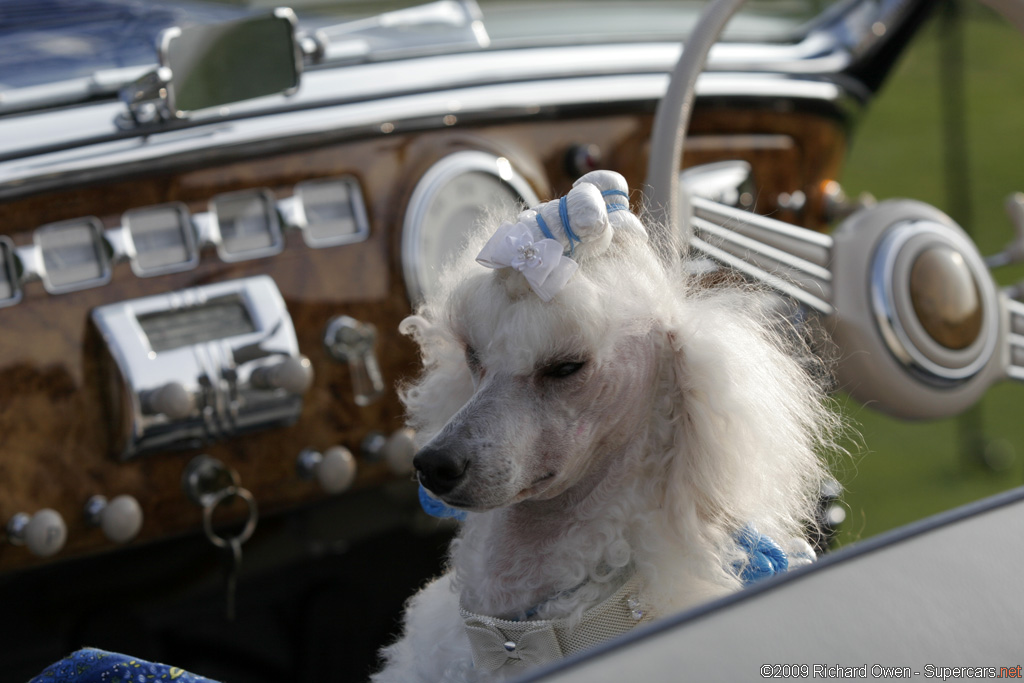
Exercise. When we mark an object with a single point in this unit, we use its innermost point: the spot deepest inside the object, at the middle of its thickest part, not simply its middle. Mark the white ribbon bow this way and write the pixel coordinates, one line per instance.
(541, 262)
(492, 649)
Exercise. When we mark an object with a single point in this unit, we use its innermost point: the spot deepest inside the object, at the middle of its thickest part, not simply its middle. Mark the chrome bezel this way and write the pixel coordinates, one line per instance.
(218, 372)
(355, 199)
(11, 265)
(100, 246)
(893, 309)
(425, 192)
(188, 237)
(273, 225)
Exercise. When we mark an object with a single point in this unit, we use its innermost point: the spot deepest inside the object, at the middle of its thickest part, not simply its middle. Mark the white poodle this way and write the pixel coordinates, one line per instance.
(624, 443)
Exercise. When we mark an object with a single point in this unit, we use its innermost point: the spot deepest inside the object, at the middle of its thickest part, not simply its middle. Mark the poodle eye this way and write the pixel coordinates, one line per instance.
(559, 370)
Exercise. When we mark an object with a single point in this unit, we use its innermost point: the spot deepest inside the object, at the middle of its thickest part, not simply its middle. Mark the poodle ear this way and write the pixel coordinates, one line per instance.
(445, 385)
(748, 423)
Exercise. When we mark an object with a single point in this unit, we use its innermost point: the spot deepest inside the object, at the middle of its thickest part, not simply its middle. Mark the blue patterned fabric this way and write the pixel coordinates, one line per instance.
(764, 557)
(98, 666)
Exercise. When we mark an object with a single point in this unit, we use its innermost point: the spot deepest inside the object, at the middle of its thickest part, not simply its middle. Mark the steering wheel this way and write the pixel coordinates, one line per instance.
(921, 325)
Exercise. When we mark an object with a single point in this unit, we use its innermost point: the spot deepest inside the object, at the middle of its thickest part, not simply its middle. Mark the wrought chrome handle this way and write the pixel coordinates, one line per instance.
(351, 341)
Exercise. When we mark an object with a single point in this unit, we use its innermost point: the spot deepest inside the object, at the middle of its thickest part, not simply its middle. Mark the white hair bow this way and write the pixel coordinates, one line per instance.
(541, 262)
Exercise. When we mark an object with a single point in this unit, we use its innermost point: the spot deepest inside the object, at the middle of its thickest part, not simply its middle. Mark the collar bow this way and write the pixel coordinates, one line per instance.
(494, 649)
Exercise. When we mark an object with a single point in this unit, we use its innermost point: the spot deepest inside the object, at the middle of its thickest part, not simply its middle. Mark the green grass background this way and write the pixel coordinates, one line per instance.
(901, 471)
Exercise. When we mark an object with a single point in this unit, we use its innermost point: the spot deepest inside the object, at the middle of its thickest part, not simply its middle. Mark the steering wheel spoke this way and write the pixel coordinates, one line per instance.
(1015, 339)
(789, 259)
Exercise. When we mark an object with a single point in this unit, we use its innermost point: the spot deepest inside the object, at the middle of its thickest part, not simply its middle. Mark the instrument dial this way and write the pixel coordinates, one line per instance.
(450, 201)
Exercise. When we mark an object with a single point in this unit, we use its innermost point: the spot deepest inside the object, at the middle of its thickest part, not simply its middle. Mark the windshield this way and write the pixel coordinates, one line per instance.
(50, 41)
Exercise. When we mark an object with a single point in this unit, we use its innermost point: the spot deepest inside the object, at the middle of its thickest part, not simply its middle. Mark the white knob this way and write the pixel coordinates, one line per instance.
(172, 400)
(294, 375)
(399, 450)
(120, 519)
(44, 533)
(334, 469)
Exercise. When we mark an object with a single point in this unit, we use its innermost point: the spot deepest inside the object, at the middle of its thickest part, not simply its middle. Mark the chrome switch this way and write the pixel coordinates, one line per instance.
(353, 342)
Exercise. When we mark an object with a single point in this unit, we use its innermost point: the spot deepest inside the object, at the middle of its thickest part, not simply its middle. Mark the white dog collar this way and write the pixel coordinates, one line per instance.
(498, 643)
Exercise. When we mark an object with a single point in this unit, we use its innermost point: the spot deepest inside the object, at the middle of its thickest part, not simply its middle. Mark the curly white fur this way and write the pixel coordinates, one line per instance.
(689, 419)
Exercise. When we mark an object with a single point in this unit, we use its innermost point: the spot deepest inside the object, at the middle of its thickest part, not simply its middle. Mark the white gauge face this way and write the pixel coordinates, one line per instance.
(453, 199)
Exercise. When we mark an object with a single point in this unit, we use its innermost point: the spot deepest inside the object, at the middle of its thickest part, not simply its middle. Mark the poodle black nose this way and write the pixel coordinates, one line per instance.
(440, 470)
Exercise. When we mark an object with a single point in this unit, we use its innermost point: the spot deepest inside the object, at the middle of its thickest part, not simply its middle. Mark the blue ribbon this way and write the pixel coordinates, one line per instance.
(563, 212)
(542, 224)
(764, 557)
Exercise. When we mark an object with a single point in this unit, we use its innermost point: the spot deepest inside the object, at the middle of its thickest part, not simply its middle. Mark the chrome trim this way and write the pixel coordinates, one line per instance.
(1015, 338)
(188, 237)
(436, 177)
(297, 216)
(10, 265)
(276, 245)
(199, 230)
(845, 32)
(789, 259)
(162, 150)
(100, 247)
(217, 373)
(895, 316)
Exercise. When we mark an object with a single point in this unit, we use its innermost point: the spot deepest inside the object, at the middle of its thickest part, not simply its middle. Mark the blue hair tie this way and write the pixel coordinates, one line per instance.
(609, 193)
(563, 212)
(542, 224)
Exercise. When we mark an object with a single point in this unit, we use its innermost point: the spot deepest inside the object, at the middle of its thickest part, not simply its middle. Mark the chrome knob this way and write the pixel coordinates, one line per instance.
(120, 518)
(294, 375)
(397, 450)
(43, 533)
(334, 469)
(172, 400)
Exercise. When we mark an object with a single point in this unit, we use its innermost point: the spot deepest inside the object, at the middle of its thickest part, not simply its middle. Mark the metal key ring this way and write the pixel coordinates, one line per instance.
(215, 500)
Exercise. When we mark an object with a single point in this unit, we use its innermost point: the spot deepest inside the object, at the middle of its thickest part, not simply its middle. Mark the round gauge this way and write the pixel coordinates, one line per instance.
(451, 199)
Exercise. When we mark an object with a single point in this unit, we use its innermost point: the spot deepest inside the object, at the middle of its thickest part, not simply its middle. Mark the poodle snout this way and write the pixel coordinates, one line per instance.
(440, 469)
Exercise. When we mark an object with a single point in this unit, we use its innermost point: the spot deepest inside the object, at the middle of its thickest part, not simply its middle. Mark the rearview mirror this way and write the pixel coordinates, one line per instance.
(218, 64)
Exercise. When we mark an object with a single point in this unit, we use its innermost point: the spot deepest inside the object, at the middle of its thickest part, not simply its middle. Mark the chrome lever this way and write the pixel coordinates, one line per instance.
(353, 342)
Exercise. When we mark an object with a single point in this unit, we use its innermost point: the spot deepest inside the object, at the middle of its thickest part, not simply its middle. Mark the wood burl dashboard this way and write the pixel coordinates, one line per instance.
(58, 426)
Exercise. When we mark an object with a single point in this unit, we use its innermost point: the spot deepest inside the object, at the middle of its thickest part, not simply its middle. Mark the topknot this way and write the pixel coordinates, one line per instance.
(595, 207)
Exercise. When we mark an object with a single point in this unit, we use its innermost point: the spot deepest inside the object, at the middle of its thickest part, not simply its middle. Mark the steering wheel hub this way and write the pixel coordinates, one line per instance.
(927, 302)
(945, 297)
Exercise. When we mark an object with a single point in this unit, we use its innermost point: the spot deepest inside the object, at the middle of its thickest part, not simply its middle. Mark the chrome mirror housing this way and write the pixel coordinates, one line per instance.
(208, 66)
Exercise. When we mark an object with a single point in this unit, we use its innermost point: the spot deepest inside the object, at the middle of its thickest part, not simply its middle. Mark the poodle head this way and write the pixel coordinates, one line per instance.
(544, 382)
